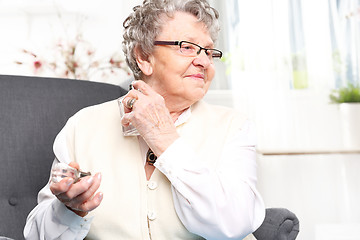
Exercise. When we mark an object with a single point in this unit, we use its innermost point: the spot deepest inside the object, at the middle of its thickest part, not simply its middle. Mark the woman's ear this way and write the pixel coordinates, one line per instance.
(144, 62)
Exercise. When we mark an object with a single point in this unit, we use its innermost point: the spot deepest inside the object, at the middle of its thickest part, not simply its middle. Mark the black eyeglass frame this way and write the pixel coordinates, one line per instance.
(216, 53)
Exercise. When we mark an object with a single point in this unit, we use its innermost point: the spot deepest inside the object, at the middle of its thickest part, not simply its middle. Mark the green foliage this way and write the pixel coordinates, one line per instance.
(348, 94)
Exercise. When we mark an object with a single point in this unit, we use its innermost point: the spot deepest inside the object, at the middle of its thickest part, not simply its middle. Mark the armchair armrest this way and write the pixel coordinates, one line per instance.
(279, 224)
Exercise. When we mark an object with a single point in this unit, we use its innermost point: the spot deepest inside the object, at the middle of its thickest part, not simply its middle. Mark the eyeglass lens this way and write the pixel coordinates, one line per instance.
(192, 49)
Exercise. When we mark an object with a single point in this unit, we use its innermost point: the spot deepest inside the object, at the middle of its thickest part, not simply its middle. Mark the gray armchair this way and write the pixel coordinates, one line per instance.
(33, 110)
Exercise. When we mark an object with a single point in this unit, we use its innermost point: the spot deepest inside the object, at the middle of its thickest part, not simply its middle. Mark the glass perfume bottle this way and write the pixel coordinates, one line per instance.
(63, 170)
(129, 130)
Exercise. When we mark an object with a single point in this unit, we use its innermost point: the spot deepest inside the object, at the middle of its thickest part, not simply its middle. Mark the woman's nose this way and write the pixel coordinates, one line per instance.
(202, 60)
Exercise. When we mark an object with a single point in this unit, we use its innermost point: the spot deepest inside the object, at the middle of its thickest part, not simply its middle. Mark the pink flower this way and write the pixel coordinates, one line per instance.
(37, 65)
(115, 63)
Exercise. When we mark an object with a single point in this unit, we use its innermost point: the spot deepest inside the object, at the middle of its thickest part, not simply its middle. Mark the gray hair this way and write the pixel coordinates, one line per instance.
(145, 23)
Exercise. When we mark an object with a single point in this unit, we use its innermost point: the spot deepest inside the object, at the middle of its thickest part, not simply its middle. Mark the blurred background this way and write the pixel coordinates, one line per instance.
(282, 61)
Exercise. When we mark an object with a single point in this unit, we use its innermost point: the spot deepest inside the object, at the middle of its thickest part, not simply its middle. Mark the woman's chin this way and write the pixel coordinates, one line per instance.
(198, 95)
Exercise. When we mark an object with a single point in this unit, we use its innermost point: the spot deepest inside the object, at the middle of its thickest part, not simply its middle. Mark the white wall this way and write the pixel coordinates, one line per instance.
(321, 189)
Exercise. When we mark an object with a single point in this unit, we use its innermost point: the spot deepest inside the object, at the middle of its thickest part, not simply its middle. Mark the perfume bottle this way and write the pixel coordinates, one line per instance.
(129, 130)
(63, 170)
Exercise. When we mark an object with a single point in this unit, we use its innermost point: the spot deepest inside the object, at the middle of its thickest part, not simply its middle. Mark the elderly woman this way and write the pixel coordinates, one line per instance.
(191, 171)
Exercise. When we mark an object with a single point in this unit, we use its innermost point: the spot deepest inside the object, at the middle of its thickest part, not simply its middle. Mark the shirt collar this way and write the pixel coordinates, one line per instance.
(184, 117)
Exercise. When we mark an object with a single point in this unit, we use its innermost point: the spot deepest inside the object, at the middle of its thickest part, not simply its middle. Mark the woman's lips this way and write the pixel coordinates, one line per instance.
(199, 76)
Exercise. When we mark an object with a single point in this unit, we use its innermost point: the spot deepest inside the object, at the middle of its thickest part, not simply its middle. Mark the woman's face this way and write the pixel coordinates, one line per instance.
(181, 80)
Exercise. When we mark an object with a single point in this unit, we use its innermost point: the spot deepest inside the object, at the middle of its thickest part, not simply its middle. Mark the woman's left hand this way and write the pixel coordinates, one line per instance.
(150, 116)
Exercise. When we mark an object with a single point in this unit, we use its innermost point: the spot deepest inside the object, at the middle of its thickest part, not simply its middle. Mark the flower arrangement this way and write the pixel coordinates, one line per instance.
(349, 94)
(75, 59)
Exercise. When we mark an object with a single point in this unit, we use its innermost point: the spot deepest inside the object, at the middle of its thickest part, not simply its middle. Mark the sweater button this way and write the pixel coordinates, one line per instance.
(152, 185)
(13, 201)
(151, 215)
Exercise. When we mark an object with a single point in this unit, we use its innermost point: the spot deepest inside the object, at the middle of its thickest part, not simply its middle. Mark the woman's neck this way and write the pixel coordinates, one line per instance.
(175, 115)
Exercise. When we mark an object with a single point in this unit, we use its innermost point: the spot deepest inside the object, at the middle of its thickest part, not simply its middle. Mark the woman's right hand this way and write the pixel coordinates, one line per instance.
(79, 197)
(150, 116)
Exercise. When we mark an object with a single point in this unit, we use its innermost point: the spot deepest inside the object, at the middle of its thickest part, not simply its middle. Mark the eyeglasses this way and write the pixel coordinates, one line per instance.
(191, 49)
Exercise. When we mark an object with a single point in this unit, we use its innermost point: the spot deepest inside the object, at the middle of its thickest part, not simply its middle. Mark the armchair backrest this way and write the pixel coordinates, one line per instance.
(33, 111)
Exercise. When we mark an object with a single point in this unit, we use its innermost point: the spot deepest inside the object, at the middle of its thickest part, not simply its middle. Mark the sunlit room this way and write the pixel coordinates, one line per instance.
(292, 67)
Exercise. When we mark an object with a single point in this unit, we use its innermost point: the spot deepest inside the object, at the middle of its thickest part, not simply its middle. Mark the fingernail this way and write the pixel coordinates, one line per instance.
(99, 176)
(69, 181)
(90, 180)
(100, 197)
